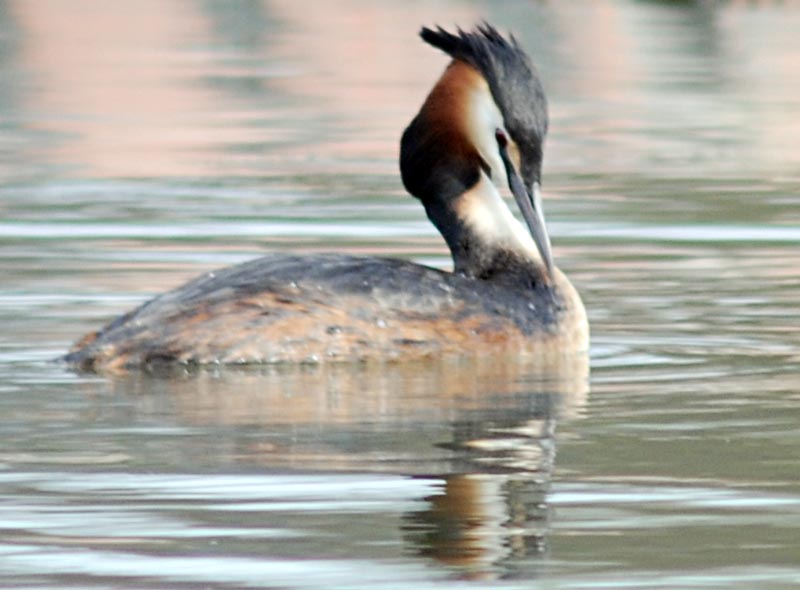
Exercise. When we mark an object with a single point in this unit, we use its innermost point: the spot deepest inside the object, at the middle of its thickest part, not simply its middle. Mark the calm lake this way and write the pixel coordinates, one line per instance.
(143, 143)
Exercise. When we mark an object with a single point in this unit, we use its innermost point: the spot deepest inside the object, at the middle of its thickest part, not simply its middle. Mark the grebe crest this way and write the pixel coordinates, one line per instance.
(482, 125)
(481, 128)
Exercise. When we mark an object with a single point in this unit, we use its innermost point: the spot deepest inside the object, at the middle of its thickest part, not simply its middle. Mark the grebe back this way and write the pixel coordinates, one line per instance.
(483, 123)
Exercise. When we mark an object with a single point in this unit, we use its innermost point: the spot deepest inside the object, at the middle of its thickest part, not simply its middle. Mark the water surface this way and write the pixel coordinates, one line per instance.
(143, 143)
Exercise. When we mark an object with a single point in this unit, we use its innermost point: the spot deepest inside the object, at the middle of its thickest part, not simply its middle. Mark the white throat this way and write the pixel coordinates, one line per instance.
(485, 212)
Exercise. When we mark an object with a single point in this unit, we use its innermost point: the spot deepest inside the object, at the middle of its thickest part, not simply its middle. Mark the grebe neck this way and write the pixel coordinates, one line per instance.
(449, 161)
(485, 240)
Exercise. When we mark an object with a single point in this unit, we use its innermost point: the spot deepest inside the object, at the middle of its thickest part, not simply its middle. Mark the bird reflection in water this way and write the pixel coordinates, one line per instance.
(492, 509)
(482, 432)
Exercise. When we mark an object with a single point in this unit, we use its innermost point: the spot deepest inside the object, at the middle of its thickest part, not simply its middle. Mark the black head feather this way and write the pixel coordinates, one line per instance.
(513, 81)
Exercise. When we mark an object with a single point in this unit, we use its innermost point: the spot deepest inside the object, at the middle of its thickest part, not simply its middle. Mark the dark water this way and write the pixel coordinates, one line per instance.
(143, 143)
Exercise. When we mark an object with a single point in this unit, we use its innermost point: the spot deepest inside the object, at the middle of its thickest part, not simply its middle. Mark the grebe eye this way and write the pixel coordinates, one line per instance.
(500, 136)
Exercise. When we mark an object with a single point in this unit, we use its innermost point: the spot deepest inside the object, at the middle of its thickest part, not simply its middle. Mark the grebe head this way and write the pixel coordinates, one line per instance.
(482, 125)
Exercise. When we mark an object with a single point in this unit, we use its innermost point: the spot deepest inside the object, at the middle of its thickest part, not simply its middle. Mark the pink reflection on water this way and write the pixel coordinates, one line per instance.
(126, 89)
(122, 87)
(111, 85)
(368, 68)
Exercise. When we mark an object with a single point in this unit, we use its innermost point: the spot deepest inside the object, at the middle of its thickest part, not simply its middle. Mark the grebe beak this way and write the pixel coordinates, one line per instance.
(529, 202)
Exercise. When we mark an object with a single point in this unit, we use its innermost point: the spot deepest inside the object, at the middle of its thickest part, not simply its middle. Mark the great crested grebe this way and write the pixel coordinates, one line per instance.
(483, 124)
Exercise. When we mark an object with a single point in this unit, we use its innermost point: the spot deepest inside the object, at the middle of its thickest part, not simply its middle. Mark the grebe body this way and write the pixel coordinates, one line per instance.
(482, 126)
(333, 307)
